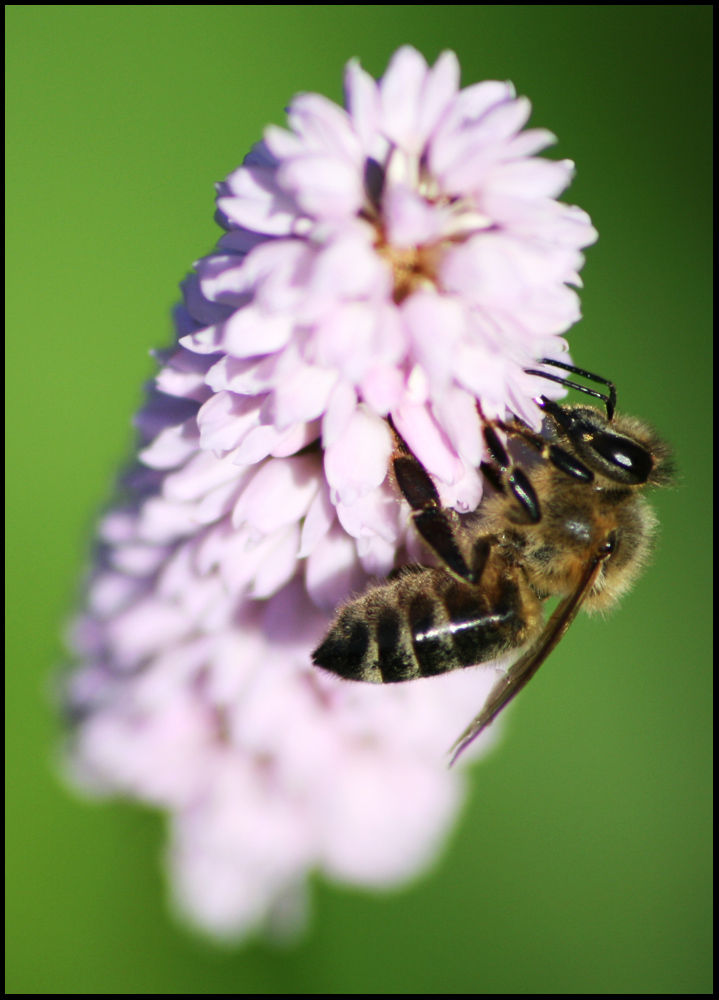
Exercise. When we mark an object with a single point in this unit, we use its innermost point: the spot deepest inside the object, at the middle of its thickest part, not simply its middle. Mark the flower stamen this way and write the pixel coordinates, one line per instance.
(413, 268)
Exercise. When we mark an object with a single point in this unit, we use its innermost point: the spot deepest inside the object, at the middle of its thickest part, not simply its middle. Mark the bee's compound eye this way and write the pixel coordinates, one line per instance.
(632, 462)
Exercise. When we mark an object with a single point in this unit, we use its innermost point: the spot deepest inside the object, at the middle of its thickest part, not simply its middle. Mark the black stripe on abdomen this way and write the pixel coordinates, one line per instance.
(431, 641)
(345, 648)
(394, 661)
(480, 632)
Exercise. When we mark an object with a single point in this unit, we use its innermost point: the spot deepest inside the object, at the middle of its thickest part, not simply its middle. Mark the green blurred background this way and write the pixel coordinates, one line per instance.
(581, 864)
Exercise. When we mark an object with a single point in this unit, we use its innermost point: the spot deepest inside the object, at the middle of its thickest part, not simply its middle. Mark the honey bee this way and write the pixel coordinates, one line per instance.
(574, 525)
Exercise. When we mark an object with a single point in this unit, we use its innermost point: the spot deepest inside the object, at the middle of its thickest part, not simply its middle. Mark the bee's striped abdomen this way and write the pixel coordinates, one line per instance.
(423, 624)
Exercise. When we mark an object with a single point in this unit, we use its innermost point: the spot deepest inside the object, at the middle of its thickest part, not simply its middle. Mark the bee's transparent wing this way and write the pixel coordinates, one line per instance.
(521, 672)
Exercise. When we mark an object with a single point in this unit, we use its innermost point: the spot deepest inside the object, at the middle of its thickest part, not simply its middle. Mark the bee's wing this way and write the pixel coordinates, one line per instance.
(521, 672)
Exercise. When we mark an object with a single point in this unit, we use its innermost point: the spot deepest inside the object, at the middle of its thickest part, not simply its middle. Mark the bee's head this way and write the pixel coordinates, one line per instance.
(624, 450)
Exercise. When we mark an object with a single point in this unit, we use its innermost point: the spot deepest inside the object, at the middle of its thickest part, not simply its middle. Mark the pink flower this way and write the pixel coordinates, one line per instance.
(405, 257)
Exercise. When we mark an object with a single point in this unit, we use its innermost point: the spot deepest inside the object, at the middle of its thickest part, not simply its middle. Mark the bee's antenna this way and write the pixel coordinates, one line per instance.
(609, 401)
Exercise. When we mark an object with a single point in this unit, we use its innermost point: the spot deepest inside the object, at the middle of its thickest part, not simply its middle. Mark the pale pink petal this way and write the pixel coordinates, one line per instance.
(282, 716)
(271, 268)
(218, 501)
(456, 411)
(279, 564)
(324, 127)
(526, 410)
(463, 495)
(260, 442)
(113, 592)
(482, 372)
(417, 388)
(473, 103)
(236, 654)
(199, 305)
(148, 627)
(253, 376)
(280, 493)
(410, 218)
(404, 827)
(502, 121)
(357, 462)
(292, 623)
(207, 341)
(190, 385)
(340, 409)
(377, 513)
(324, 187)
(346, 338)
(242, 558)
(439, 89)
(400, 90)
(531, 141)
(382, 388)
(468, 107)
(202, 474)
(531, 178)
(473, 149)
(436, 324)
(164, 521)
(177, 740)
(118, 527)
(297, 438)
(428, 441)
(565, 226)
(211, 549)
(222, 280)
(138, 559)
(176, 668)
(244, 376)
(234, 852)
(391, 341)
(257, 203)
(359, 336)
(226, 419)
(362, 98)
(171, 447)
(495, 268)
(376, 554)
(320, 518)
(332, 570)
(249, 332)
(347, 268)
(177, 585)
(283, 143)
(550, 311)
(303, 395)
